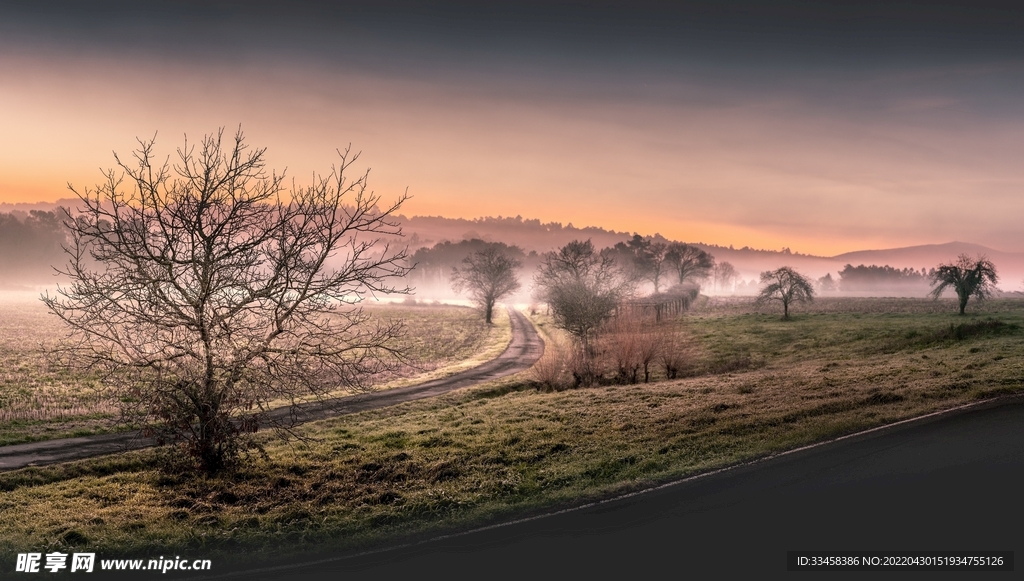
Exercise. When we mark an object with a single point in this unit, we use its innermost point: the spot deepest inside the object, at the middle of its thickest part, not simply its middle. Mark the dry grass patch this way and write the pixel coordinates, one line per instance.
(40, 401)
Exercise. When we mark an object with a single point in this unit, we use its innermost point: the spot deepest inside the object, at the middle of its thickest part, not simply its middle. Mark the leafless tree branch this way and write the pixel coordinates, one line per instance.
(205, 293)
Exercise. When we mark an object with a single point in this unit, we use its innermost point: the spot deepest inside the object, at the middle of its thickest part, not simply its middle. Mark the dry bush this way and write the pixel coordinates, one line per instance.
(673, 354)
(633, 343)
(550, 371)
(650, 344)
(620, 340)
(587, 365)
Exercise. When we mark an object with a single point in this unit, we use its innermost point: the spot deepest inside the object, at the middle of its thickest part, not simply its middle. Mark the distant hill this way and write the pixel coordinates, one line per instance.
(426, 231)
(20, 209)
(532, 235)
(1009, 265)
(928, 255)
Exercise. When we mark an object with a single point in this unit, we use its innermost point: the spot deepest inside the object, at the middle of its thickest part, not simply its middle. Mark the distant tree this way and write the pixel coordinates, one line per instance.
(30, 244)
(691, 263)
(723, 274)
(648, 260)
(582, 287)
(204, 291)
(659, 266)
(881, 278)
(434, 264)
(826, 283)
(488, 275)
(787, 286)
(968, 277)
(631, 256)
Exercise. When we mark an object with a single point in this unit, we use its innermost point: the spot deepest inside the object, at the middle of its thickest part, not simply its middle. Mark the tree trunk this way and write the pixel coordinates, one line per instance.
(488, 310)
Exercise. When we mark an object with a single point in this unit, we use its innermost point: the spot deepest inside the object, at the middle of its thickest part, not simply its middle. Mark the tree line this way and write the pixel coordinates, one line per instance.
(878, 278)
(30, 243)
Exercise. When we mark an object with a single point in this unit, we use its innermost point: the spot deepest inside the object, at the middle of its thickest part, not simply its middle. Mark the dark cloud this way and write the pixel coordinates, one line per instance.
(540, 34)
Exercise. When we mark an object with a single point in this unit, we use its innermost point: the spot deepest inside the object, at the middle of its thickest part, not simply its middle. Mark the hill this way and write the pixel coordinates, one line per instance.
(536, 236)
(532, 235)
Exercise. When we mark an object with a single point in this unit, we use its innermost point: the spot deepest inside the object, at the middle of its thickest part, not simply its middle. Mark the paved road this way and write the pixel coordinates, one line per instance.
(949, 483)
(522, 352)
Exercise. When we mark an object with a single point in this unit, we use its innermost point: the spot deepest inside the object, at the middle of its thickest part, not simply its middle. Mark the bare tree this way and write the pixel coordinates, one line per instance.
(632, 256)
(968, 277)
(648, 260)
(787, 286)
(488, 275)
(691, 263)
(582, 288)
(660, 264)
(723, 274)
(204, 292)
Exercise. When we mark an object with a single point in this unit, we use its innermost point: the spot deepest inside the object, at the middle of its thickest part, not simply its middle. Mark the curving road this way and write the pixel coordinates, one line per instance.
(949, 482)
(522, 352)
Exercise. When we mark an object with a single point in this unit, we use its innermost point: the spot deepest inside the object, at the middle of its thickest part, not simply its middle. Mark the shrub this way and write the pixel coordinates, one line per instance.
(633, 344)
(673, 352)
(550, 370)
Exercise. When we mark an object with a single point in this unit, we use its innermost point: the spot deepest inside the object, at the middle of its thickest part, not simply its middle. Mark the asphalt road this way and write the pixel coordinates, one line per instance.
(948, 483)
(523, 350)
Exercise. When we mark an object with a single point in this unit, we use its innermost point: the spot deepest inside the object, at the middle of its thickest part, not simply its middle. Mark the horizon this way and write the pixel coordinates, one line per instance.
(823, 129)
(7, 207)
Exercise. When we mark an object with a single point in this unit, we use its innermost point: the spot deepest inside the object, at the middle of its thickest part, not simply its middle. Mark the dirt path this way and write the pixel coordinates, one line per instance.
(524, 349)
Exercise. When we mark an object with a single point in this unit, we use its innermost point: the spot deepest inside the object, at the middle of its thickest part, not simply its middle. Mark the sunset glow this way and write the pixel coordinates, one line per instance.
(821, 143)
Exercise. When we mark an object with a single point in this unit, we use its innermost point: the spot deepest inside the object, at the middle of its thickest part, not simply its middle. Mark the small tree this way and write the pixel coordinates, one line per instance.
(691, 263)
(787, 286)
(488, 275)
(968, 277)
(582, 287)
(204, 292)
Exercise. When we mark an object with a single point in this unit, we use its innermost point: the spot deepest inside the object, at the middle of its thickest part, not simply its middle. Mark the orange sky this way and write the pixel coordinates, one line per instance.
(822, 161)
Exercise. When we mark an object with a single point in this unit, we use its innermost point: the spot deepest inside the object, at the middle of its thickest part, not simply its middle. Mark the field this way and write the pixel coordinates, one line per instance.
(40, 401)
(755, 385)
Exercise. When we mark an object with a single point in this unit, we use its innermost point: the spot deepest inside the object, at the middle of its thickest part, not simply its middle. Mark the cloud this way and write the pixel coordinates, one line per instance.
(763, 143)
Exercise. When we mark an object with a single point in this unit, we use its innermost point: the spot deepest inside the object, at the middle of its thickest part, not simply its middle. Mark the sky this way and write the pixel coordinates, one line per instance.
(821, 127)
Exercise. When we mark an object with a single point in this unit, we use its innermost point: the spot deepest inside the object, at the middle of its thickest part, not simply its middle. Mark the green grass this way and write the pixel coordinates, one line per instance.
(503, 450)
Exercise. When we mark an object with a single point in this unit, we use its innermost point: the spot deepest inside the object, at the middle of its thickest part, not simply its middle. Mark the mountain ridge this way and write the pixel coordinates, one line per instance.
(534, 235)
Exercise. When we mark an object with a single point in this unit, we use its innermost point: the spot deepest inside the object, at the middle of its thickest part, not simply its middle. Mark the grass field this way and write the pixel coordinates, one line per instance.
(756, 385)
(40, 401)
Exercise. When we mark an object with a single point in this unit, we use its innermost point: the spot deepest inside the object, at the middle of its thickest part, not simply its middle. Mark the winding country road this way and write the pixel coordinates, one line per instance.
(522, 352)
